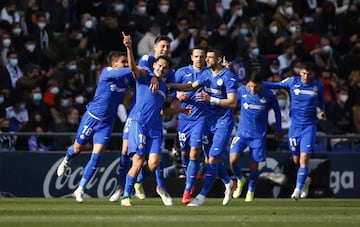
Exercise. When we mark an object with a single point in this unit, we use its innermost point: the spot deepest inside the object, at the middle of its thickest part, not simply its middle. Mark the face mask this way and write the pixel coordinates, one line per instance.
(222, 33)
(88, 24)
(6, 42)
(16, 31)
(119, 8)
(273, 29)
(30, 47)
(72, 122)
(65, 102)
(78, 36)
(141, 10)
(244, 31)
(289, 11)
(274, 71)
(292, 29)
(255, 52)
(79, 100)
(93, 67)
(2, 100)
(239, 13)
(297, 70)
(14, 62)
(343, 98)
(37, 97)
(73, 67)
(282, 103)
(327, 49)
(22, 107)
(54, 90)
(41, 25)
(164, 8)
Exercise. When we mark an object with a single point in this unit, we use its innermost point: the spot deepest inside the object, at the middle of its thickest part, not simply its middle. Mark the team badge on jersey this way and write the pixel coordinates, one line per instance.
(219, 82)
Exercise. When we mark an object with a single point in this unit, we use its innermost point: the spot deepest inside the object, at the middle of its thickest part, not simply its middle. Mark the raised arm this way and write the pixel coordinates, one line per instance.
(131, 60)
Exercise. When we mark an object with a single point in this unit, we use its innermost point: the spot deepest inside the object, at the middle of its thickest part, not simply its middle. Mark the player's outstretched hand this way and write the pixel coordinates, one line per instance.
(127, 40)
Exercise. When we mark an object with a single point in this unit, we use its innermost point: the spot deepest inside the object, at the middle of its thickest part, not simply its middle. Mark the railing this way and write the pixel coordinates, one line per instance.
(329, 142)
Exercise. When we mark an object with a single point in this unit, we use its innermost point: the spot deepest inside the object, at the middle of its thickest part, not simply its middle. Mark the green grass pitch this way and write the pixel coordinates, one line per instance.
(150, 212)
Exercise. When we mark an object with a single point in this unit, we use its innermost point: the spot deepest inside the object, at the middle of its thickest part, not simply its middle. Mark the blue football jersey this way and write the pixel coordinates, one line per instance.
(109, 94)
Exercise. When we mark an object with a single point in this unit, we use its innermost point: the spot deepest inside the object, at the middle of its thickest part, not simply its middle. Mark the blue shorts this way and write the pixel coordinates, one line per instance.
(126, 128)
(143, 140)
(302, 138)
(191, 133)
(256, 146)
(217, 141)
(91, 128)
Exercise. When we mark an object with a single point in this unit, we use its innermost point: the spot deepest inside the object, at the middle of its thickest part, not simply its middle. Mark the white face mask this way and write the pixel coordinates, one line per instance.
(6, 42)
(343, 98)
(16, 31)
(41, 25)
(164, 8)
(80, 99)
(141, 10)
(274, 29)
(30, 47)
(54, 90)
(289, 11)
(239, 13)
(292, 29)
(88, 24)
(327, 49)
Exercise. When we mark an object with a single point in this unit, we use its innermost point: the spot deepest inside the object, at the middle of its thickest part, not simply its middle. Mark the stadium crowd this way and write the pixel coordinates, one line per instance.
(52, 53)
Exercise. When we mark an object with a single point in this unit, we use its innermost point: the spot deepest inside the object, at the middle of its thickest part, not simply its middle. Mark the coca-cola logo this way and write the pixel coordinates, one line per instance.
(102, 184)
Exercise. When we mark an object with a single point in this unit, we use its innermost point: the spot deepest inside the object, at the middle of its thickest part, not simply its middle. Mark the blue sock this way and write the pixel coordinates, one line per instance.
(129, 186)
(89, 169)
(253, 178)
(209, 179)
(237, 170)
(301, 177)
(223, 174)
(70, 153)
(159, 175)
(140, 176)
(124, 166)
(193, 169)
(184, 162)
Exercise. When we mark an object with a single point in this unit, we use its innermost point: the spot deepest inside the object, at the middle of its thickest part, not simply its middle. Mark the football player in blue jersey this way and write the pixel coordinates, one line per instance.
(191, 127)
(307, 103)
(98, 121)
(220, 91)
(161, 48)
(146, 131)
(254, 102)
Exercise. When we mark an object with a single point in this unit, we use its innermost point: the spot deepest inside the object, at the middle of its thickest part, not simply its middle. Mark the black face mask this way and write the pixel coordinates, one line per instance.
(11, 12)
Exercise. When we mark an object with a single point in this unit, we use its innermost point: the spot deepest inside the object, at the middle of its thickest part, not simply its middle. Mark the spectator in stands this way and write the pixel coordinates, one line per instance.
(34, 143)
(284, 13)
(241, 37)
(9, 13)
(35, 104)
(6, 47)
(340, 113)
(28, 53)
(214, 16)
(146, 43)
(272, 71)
(287, 56)
(42, 32)
(71, 124)
(139, 19)
(331, 82)
(61, 16)
(4, 102)
(97, 8)
(31, 10)
(11, 72)
(193, 14)
(253, 61)
(220, 39)
(17, 35)
(351, 24)
(326, 21)
(17, 113)
(71, 43)
(270, 39)
(165, 16)
(32, 77)
(90, 29)
(181, 39)
(235, 15)
(7, 142)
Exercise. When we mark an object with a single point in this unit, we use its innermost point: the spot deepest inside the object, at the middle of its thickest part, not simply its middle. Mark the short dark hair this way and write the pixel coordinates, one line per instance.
(114, 55)
(162, 37)
(166, 58)
(218, 52)
(257, 77)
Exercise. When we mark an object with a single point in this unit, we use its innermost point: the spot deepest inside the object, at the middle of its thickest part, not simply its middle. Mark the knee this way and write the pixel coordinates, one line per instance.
(153, 164)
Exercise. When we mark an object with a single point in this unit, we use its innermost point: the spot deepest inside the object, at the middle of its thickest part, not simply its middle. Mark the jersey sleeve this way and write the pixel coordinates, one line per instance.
(232, 83)
(110, 73)
(286, 83)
